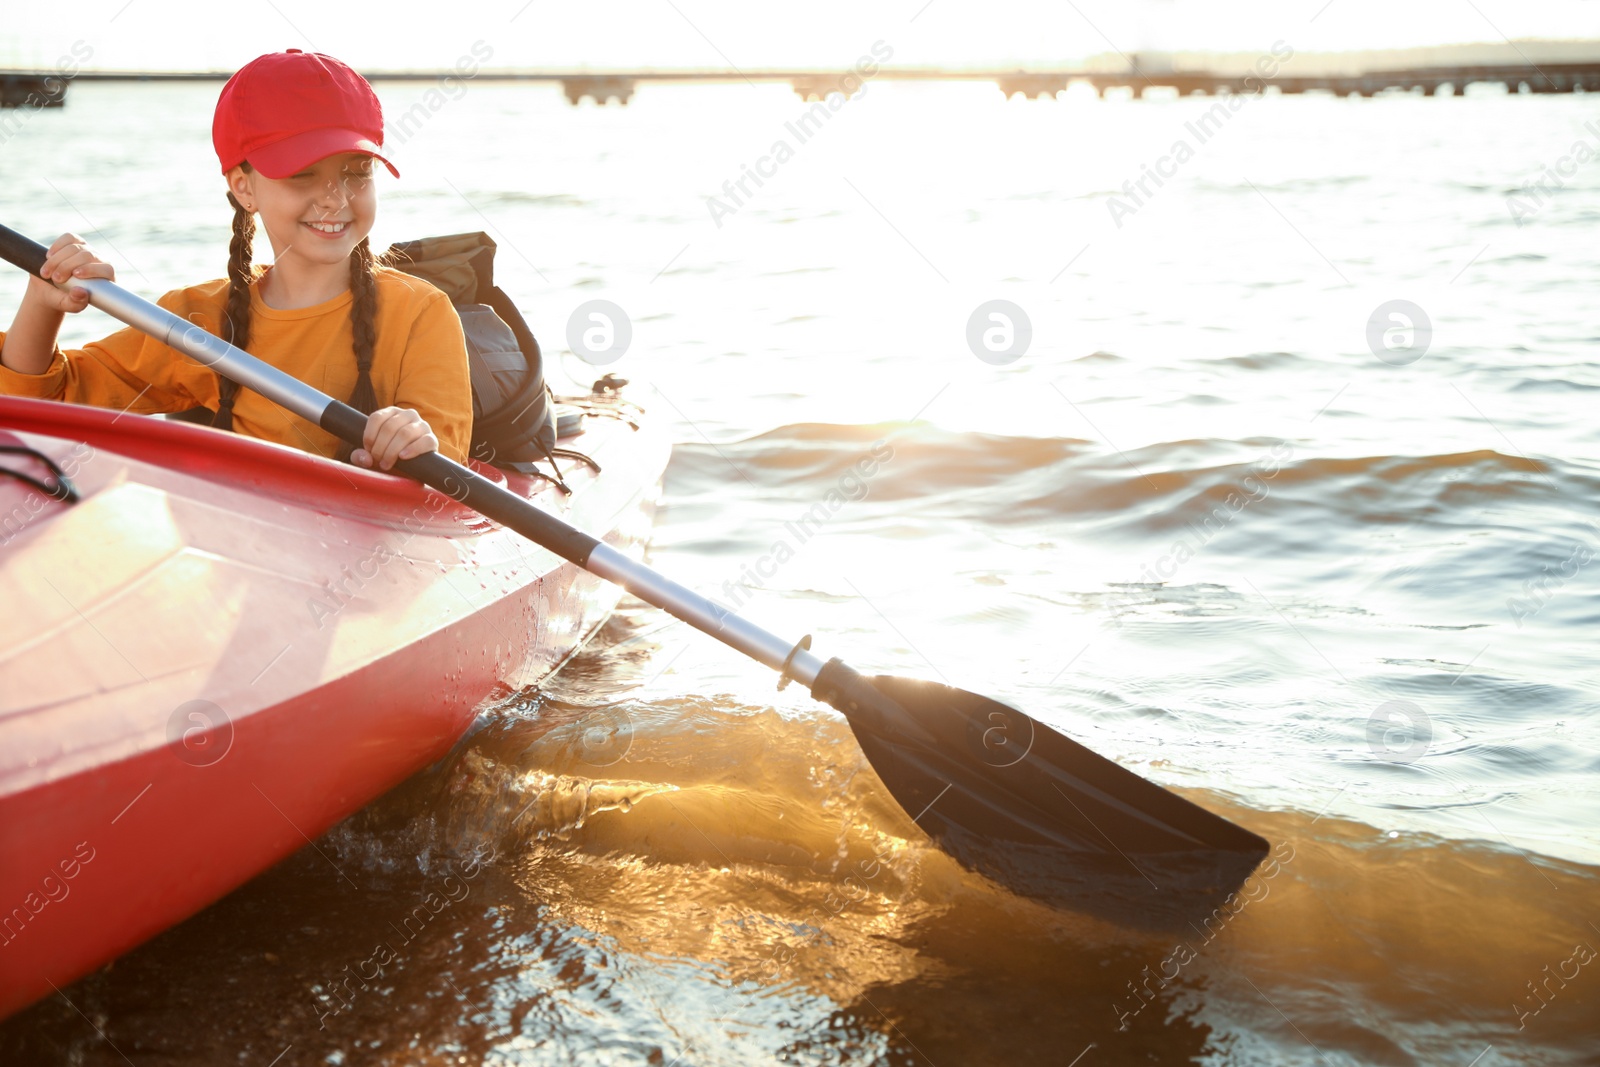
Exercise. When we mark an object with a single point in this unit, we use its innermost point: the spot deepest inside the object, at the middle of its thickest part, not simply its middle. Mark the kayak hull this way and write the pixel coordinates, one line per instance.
(224, 647)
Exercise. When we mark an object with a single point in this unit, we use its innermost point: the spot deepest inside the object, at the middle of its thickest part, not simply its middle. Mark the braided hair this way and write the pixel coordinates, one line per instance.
(241, 274)
(363, 324)
(363, 315)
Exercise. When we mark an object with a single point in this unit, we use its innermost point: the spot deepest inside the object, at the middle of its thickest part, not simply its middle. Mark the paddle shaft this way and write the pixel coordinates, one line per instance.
(434, 469)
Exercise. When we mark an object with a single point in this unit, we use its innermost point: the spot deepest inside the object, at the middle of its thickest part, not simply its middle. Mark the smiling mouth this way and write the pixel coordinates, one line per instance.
(331, 229)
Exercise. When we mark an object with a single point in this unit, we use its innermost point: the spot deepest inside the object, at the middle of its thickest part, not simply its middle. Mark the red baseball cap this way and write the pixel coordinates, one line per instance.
(285, 110)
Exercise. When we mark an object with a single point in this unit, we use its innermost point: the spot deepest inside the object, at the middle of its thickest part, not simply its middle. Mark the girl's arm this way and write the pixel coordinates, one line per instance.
(128, 370)
(31, 341)
(434, 381)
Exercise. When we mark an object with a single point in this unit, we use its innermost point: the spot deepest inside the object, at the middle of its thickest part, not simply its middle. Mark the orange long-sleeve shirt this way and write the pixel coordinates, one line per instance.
(420, 362)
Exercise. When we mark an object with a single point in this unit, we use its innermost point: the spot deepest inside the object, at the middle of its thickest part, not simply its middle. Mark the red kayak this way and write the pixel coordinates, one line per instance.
(221, 647)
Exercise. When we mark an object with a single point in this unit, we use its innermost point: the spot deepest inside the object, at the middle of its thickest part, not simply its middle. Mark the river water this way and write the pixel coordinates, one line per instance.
(1332, 581)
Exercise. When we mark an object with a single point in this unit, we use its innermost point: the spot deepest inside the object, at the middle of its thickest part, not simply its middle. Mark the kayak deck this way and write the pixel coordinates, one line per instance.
(225, 646)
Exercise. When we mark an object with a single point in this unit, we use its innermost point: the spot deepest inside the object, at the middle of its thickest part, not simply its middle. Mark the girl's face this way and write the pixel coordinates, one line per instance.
(320, 214)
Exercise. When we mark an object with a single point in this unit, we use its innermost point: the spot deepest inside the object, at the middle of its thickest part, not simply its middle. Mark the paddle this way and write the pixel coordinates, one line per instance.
(1003, 793)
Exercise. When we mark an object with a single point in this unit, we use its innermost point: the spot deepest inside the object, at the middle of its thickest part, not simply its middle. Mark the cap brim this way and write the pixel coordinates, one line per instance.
(280, 159)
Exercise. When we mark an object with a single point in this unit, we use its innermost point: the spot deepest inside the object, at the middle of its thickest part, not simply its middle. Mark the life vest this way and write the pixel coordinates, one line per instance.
(513, 412)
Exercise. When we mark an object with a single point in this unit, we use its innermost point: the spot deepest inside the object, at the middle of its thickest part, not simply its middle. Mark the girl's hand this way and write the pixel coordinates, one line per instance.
(393, 434)
(68, 259)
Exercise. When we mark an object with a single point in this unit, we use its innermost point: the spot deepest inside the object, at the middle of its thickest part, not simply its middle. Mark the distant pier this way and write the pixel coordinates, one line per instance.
(1545, 78)
(32, 90)
(43, 89)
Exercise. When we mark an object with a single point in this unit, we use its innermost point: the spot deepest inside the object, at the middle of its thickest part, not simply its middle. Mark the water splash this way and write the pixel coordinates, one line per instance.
(492, 800)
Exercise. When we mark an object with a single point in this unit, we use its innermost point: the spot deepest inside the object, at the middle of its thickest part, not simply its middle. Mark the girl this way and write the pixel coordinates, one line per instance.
(296, 134)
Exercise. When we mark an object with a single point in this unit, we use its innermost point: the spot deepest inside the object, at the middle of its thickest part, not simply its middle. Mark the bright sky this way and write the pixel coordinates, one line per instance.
(205, 34)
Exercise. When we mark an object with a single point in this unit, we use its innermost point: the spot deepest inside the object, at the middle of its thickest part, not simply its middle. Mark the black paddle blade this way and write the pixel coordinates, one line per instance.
(1016, 801)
